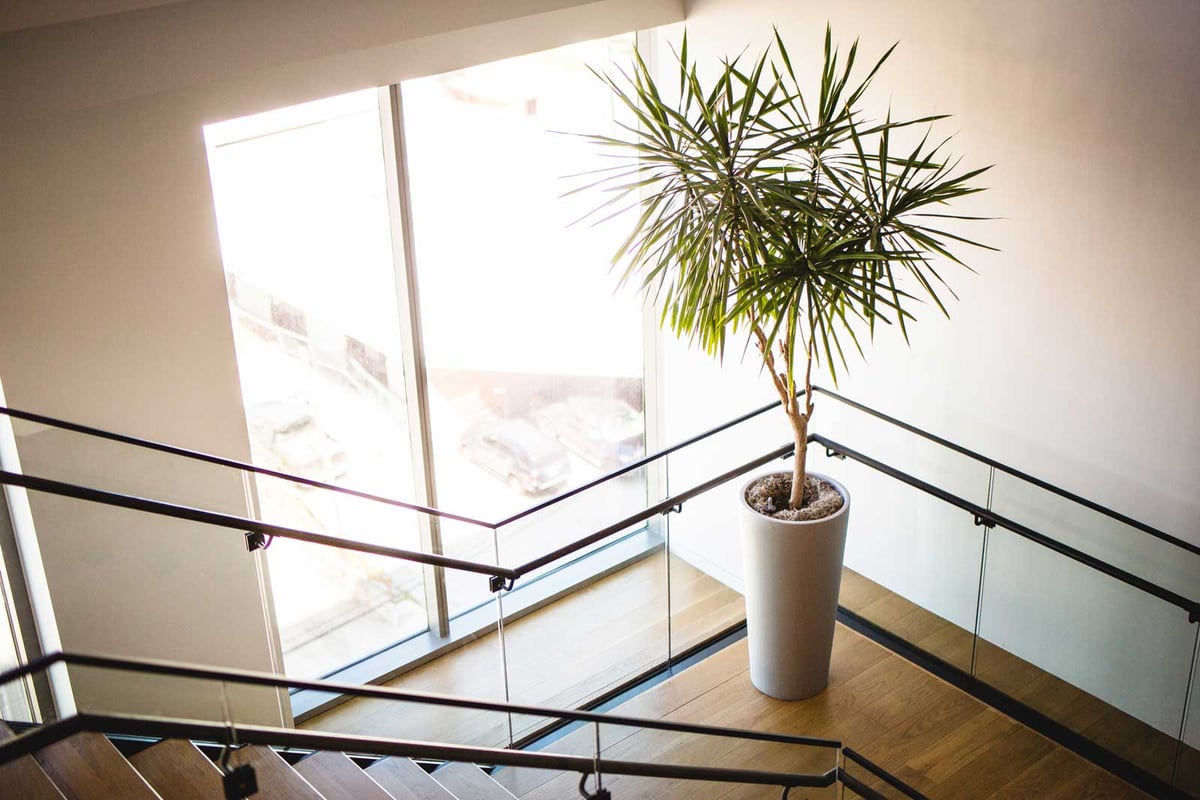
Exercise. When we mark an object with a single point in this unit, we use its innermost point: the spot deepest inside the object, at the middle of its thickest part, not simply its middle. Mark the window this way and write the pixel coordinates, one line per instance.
(306, 242)
(534, 366)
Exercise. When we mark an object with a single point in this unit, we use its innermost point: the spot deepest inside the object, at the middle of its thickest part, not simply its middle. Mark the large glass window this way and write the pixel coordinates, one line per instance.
(534, 364)
(306, 242)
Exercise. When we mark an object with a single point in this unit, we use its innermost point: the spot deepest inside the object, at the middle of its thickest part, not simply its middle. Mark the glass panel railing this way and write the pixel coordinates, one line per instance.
(644, 755)
(475, 670)
(332, 606)
(680, 750)
(706, 578)
(1122, 544)
(586, 623)
(74, 457)
(885, 440)
(912, 560)
(1187, 764)
(466, 591)
(1080, 613)
(543, 529)
(703, 604)
(691, 750)
(599, 630)
(340, 603)
(1106, 660)
(864, 778)
(115, 692)
(913, 567)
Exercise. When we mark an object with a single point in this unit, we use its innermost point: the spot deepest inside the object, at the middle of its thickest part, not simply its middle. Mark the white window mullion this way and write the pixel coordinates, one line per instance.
(415, 375)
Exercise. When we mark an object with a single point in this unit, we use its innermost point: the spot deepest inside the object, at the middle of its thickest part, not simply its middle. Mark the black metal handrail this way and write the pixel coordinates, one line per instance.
(39, 737)
(503, 577)
(642, 462)
(506, 574)
(985, 516)
(244, 524)
(197, 730)
(145, 666)
(982, 516)
(209, 458)
(879, 772)
(1016, 473)
(674, 502)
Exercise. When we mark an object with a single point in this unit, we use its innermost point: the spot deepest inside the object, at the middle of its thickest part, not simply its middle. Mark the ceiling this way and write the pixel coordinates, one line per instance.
(17, 15)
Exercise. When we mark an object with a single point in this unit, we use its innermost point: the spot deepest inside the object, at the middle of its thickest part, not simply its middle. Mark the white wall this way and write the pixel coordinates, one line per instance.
(1073, 354)
(112, 299)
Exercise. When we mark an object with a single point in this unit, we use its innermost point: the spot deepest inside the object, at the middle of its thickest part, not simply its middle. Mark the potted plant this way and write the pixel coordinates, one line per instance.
(795, 223)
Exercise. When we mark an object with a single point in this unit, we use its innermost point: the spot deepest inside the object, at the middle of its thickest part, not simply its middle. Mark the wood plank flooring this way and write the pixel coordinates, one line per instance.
(941, 740)
(1083, 713)
(945, 743)
(561, 656)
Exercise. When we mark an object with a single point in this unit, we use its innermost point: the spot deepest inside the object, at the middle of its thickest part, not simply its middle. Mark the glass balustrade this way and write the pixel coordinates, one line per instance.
(626, 576)
(1105, 660)
(913, 561)
(1110, 656)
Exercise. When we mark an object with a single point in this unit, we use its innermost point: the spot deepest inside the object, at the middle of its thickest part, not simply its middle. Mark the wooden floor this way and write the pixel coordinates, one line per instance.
(944, 742)
(561, 656)
(1135, 741)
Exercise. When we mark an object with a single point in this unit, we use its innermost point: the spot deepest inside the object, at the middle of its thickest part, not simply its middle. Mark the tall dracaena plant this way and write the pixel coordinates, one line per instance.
(767, 216)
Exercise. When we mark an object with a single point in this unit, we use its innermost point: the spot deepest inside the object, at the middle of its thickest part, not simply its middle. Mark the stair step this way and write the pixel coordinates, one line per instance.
(404, 779)
(276, 778)
(469, 782)
(179, 771)
(338, 778)
(86, 766)
(23, 778)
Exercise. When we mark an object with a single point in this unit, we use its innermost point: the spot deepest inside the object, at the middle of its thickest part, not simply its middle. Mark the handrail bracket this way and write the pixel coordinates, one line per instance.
(257, 540)
(498, 582)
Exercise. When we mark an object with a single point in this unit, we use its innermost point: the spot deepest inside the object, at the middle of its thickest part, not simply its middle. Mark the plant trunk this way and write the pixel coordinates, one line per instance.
(800, 428)
(800, 462)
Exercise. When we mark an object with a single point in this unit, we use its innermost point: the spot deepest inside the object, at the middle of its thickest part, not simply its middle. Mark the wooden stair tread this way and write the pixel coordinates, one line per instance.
(338, 778)
(86, 766)
(404, 779)
(276, 778)
(23, 778)
(469, 782)
(179, 771)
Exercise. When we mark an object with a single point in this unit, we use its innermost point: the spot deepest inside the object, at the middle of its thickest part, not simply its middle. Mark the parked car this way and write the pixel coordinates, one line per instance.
(287, 430)
(604, 431)
(517, 452)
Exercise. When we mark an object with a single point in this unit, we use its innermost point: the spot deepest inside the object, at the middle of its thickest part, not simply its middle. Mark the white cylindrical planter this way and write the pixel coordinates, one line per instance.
(793, 572)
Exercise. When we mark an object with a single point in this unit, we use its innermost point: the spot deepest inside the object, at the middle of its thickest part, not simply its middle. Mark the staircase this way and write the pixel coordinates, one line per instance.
(86, 766)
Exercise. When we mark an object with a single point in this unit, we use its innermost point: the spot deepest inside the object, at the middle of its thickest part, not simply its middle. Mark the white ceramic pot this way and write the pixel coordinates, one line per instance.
(793, 572)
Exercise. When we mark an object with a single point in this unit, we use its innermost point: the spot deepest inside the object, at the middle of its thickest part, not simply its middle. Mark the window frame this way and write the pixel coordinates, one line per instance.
(445, 632)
